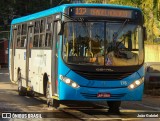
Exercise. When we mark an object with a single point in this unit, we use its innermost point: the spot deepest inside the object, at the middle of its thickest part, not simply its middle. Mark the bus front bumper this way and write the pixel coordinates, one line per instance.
(97, 94)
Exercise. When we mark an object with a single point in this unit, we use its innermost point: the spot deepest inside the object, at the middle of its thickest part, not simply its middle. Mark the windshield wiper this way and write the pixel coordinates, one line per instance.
(116, 36)
(113, 46)
(119, 30)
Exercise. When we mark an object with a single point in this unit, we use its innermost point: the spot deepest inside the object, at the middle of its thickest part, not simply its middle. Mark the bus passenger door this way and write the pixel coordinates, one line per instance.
(13, 45)
(54, 69)
(28, 53)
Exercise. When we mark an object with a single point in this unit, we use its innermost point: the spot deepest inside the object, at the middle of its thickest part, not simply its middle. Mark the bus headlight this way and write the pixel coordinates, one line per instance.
(69, 81)
(136, 83)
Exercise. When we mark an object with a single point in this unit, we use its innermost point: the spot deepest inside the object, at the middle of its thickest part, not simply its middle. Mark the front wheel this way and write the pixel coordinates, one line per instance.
(114, 106)
(50, 101)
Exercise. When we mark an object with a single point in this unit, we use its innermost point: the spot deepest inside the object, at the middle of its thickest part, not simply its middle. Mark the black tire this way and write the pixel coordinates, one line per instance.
(31, 93)
(55, 103)
(50, 101)
(114, 106)
(21, 90)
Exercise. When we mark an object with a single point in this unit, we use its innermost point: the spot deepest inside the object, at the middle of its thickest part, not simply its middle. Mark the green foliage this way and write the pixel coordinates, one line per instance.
(93, 1)
(150, 10)
(10, 9)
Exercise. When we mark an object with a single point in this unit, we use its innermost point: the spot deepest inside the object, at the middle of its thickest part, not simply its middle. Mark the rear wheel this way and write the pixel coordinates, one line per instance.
(114, 106)
(21, 90)
(30, 92)
(55, 103)
(50, 101)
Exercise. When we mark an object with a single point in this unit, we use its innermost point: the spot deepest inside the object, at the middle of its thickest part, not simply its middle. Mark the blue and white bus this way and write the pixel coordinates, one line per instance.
(82, 52)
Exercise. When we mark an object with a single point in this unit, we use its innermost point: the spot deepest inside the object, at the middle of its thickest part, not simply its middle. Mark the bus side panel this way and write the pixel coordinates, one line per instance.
(20, 63)
(39, 64)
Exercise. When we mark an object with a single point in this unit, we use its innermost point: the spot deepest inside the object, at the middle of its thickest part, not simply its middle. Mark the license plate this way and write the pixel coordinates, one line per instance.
(103, 95)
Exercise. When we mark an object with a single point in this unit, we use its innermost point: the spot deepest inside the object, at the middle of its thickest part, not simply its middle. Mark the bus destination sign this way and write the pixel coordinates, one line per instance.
(100, 12)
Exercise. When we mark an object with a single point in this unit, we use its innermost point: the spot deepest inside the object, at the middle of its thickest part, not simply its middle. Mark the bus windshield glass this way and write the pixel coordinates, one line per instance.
(101, 43)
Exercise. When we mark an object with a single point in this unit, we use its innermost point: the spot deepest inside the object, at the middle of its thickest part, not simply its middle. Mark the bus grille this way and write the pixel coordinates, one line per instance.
(94, 96)
(104, 76)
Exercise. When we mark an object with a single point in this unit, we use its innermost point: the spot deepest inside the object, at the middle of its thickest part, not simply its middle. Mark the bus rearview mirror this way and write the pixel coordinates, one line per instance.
(59, 28)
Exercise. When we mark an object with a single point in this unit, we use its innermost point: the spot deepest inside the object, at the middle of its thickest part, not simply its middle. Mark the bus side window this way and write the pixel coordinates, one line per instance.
(23, 39)
(19, 30)
(48, 32)
(19, 36)
(42, 33)
(37, 27)
(23, 35)
(42, 25)
(42, 40)
(36, 33)
(48, 40)
(18, 42)
(35, 41)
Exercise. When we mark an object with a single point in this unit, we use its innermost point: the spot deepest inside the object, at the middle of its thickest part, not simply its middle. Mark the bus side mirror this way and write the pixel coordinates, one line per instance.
(144, 34)
(60, 27)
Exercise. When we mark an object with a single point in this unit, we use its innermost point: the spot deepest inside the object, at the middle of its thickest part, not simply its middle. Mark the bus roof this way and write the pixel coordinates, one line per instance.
(62, 8)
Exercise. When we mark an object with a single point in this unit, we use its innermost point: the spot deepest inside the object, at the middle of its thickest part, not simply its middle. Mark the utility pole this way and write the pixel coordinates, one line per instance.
(51, 2)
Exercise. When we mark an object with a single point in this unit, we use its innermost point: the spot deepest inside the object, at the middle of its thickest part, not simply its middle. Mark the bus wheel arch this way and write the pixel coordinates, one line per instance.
(45, 81)
(18, 73)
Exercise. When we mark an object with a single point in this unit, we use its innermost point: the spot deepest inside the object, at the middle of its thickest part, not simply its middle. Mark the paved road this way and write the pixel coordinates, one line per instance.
(12, 102)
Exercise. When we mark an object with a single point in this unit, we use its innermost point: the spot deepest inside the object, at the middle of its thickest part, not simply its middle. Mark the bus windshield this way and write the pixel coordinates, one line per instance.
(103, 43)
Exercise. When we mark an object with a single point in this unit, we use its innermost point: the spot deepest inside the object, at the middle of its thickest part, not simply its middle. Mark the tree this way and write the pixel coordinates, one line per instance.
(93, 1)
(11, 9)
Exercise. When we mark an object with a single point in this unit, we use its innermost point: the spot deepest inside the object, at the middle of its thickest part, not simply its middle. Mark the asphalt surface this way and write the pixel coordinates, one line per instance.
(25, 106)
